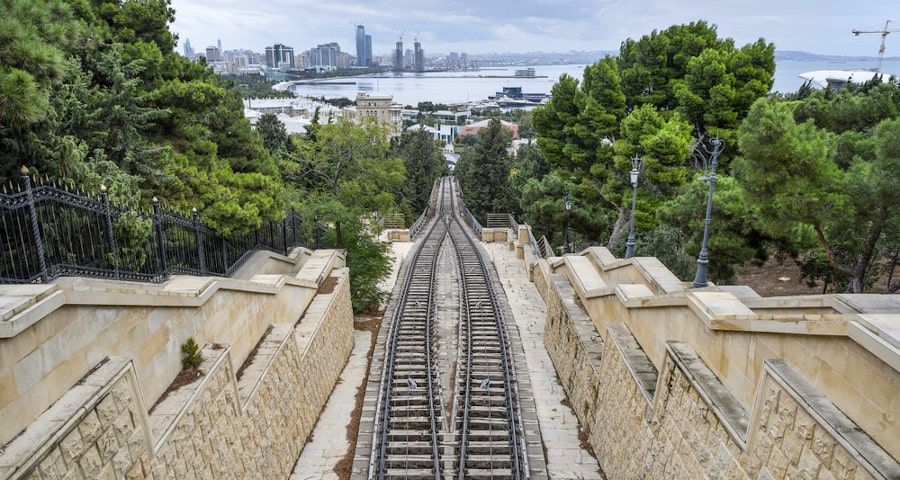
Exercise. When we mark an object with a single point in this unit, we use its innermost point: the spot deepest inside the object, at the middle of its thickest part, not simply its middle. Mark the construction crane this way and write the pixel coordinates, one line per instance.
(884, 33)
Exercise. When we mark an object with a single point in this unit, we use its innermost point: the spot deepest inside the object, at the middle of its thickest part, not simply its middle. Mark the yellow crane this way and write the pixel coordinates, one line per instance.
(884, 33)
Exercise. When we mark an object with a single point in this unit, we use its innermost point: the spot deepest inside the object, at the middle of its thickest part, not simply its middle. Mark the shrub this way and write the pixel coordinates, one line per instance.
(190, 354)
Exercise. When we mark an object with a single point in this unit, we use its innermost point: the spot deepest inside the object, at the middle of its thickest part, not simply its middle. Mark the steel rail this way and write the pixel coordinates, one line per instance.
(512, 412)
(383, 408)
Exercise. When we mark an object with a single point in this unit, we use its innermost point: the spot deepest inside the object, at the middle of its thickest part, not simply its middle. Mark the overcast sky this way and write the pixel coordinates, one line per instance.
(820, 26)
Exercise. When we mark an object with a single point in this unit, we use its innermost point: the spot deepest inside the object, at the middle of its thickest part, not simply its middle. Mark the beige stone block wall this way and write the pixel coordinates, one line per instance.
(494, 234)
(146, 323)
(735, 337)
(397, 235)
(641, 424)
(216, 427)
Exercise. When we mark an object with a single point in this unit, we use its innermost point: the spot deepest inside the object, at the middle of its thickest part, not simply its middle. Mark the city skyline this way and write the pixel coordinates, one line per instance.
(527, 26)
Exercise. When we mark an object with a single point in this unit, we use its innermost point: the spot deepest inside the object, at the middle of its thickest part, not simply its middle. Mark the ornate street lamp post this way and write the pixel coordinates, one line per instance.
(566, 229)
(636, 166)
(703, 259)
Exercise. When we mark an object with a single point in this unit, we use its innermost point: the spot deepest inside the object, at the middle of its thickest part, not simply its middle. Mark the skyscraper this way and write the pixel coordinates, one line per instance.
(280, 56)
(361, 59)
(219, 44)
(398, 56)
(212, 54)
(324, 55)
(370, 60)
(420, 57)
(188, 49)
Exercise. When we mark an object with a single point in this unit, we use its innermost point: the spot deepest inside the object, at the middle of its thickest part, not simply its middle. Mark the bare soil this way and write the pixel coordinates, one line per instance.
(327, 285)
(184, 377)
(370, 323)
(782, 277)
(252, 354)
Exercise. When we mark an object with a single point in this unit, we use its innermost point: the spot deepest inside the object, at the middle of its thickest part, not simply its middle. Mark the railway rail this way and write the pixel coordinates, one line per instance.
(485, 438)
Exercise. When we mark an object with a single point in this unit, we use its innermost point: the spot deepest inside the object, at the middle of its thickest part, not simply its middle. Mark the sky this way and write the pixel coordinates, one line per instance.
(818, 26)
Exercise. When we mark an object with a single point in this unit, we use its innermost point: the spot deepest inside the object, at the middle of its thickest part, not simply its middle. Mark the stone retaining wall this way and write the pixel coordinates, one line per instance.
(681, 422)
(46, 347)
(215, 427)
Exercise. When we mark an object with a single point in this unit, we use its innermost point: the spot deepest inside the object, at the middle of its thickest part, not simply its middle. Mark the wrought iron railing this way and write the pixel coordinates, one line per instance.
(48, 231)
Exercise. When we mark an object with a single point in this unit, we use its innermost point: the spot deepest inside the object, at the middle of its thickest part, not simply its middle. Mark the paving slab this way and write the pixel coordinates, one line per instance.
(566, 458)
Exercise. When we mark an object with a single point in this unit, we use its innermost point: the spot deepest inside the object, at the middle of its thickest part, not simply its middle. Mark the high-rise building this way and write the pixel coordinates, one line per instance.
(213, 54)
(398, 56)
(453, 60)
(361, 59)
(408, 59)
(324, 55)
(420, 57)
(219, 44)
(370, 60)
(188, 49)
(463, 60)
(302, 60)
(280, 56)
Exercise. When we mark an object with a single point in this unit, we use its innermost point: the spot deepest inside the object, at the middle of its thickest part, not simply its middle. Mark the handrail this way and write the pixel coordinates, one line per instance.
(417, 225)
(546, 248)
(535, 249)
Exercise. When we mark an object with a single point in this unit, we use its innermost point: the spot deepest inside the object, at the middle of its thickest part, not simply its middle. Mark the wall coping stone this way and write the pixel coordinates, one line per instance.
(42, 435)
(639, 365)
(270, 345)
(718, 398)
(178, 291)
(585, 277)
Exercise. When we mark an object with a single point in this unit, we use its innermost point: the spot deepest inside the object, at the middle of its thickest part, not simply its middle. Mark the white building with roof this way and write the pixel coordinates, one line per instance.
(839, 78)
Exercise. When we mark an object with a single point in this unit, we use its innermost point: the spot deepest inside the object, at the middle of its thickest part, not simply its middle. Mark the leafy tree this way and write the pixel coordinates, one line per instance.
(789, 168)
(575, 132)
(483, 171)
(688, 68)
(255, 86)
(720, 84)
(650, 64)
(424, 163)
(344, 177)
(92, 92)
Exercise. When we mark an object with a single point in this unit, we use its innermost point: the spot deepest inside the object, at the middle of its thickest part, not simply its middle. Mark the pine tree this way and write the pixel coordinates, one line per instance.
(483, 172)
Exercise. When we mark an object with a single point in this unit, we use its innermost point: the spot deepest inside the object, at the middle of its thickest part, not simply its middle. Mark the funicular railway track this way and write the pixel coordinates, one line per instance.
(485, 438)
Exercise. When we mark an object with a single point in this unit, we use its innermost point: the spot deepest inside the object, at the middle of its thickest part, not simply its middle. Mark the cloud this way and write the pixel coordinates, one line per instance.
(527, 25)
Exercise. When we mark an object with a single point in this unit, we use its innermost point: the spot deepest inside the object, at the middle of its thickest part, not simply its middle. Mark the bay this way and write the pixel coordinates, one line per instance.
(457, 87)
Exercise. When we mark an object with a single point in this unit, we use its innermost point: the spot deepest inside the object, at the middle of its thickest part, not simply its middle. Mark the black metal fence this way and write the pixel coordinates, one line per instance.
(47, 231)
